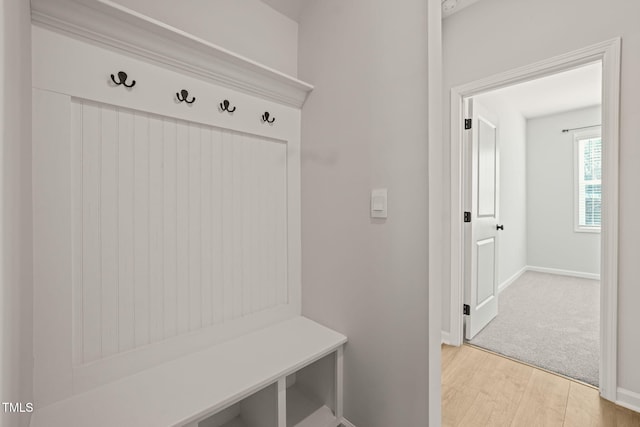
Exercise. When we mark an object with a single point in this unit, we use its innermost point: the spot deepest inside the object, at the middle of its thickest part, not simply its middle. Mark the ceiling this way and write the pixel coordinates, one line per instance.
(293, 8)
(569, 90)
(289, 8)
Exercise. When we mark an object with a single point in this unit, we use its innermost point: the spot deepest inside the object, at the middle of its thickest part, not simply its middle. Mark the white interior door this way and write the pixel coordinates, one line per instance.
(481, 234)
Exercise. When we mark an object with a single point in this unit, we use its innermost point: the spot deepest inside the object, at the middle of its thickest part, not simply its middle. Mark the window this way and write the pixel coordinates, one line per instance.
(588, 149)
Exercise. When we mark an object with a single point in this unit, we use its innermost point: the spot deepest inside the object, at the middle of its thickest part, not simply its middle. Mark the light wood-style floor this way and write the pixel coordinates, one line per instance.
(483, 389)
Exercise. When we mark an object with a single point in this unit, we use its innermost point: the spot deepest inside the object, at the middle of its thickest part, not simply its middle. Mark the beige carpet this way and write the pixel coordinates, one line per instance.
(548, 321)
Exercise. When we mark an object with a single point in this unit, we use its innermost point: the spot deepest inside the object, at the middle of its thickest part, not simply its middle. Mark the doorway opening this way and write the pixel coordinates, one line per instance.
(532, 248)
(549, 255)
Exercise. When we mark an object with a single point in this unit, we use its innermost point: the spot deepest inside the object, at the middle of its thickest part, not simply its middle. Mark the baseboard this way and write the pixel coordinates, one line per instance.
(504, 285)
(628, 399)
(445, 338)
(561, 272)
(346, 423)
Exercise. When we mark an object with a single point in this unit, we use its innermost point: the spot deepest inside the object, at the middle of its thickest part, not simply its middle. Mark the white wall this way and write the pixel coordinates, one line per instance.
(365, 126)
(552, 241)
(247, 27)
(522, 32)
(16, 290)
(512, 243)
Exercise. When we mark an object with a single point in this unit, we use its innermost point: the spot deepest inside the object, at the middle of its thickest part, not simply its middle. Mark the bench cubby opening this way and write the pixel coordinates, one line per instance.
(312, 394)
(257, 410)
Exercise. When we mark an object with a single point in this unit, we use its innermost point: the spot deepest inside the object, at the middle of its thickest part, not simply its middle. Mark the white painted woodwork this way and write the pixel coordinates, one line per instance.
(117, 315)
(167, 235)
(609, 52)
(108, 24)
(282, 401)
(193, 387)
(312, 394)
(52, 218)
(85, 73)
(303, 411)
(481, 292)
(168, 227)
(339, 400)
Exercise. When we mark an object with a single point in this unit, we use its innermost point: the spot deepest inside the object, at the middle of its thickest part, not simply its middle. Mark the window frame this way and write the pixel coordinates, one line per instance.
(590, 133)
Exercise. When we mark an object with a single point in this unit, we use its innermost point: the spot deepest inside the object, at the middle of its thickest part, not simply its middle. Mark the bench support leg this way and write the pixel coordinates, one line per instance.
(282, 402)
(339, 382)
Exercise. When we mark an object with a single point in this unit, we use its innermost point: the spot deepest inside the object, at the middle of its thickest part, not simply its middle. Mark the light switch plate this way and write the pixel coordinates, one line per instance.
(379, 203)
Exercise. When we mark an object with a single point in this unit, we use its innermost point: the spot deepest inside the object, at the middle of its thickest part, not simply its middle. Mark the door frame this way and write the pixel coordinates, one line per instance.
(609, 53)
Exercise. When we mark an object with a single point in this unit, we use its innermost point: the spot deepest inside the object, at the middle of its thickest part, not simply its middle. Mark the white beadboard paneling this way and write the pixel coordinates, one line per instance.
(195, 219)
(76, 231)
(170, 244)
(278, 165)
(227, 224)
(156, 231)
(109, 231)
(177, 227)
(111, 270)
(238, 166)
(247, 234)
(141, 248)
(217, 227)
(126, 280)
(206, 204)
(91, 245)
(182, 260)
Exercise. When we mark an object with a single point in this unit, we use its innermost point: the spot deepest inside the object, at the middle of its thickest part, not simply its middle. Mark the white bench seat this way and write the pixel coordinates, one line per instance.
(189, 388)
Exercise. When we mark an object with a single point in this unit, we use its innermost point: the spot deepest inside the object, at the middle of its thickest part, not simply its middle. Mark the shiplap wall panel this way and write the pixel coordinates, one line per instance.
(177, 227)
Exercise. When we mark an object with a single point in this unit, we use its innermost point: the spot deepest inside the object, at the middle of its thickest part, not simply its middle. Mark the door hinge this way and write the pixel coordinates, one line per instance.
(467, 124)
(466, 310)
(467, 217)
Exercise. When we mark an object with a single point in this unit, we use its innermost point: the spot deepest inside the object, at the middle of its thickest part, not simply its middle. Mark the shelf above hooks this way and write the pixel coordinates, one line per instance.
(118, 28)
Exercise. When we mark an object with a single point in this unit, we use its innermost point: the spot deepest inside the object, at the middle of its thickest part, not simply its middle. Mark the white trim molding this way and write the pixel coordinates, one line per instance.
(504, 285)
(608, 52)
(445, 338)
(561, 272)
(346, 423)
(628, 399)
(114, 26)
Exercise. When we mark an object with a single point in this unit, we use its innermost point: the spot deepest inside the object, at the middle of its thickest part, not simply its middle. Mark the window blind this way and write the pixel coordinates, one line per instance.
(589, 182)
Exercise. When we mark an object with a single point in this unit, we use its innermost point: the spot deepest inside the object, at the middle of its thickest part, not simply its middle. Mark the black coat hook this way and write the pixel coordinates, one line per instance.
(265, 118)
(183, 95)
(224, 106)
(122, 77)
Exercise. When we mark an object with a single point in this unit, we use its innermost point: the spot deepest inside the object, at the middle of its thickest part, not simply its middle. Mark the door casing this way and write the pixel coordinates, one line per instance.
(608, 52)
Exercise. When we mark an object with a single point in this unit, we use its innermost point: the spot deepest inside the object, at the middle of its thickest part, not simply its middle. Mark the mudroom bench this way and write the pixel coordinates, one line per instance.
(167, 237)
(285, 375)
